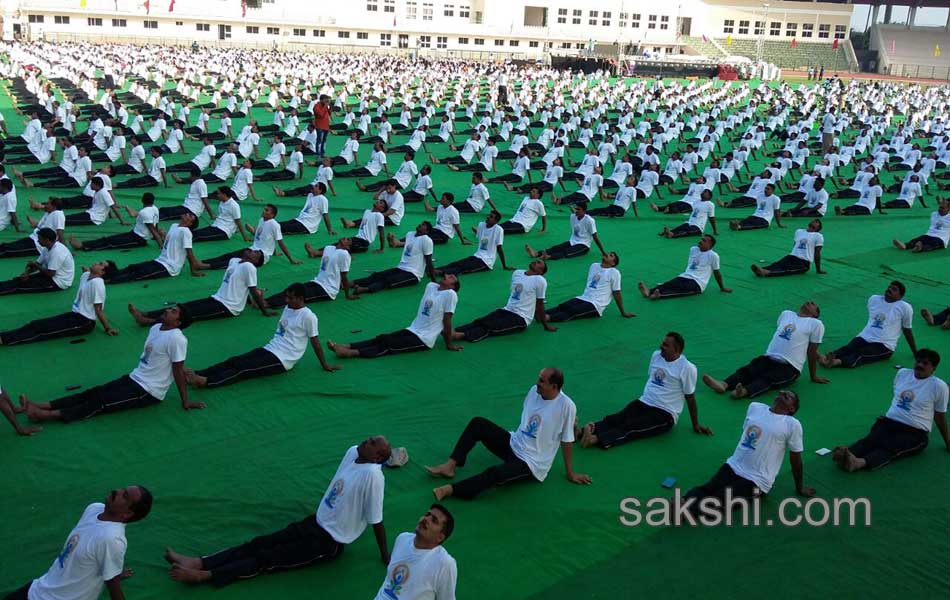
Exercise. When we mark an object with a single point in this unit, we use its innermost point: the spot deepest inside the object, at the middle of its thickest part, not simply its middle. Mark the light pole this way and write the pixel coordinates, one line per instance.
(760, 43)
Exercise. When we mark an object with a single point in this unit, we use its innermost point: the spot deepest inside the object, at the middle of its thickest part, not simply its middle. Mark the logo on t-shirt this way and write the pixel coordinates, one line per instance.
(534, 424)
(483, 244)
(323, 263)
(594, 281)
(877, 321)
(146, 354)
(803, 244)
(659, 378)
(398, 578)
(752, 436)
(427, 307)
(516, 290)
(693, 264)
(71, 544)
(334, 493)
(786, 331)
(281, 328)
(905, 399)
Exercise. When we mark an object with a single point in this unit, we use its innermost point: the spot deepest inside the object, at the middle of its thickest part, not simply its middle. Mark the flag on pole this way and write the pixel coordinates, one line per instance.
(148, 7)
(893, 46)
(937, 50)
(394, 21)
(728, 40)
(243, 9)
(834, 44)
(82, 3)
(705, 39)
(171, 6)
(794, 43)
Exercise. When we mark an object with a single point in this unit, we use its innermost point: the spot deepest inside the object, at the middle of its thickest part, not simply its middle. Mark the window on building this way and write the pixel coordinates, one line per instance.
(479, 41)
(824, 31)
(35, 18)
(635, 20)
(743, 28)
(464, 11)
(840, 32)
(579, 46)
(61, 20)
(202, 26)
(343, 35)
(729, 26)
(808, 29)
(463, 41)
(385, 39)
(499, 42)
(411, 10)
(651, 22)
(179, 23)
(150, 24)
(442, 42)
(372, 5)
(299, 32)
(426, 11)
(389, 6)
(227, 32)
(448, 10)
(532, 44)
(791, 30)
(362, 35)
(425, 41)
(513, 43)
(253, 29)
(273, 31)
(97, 22)
(115, 22)
(665, 22)
(576, 17)
(403, 40)
(565, 45)
(759, 27)
(318, 32)
(605, 19)
(622, 20)
(775, 28)
(562, 16)
(593, 17)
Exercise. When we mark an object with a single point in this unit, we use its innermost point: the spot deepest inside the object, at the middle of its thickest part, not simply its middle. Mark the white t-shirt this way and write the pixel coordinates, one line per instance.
(407, 170)
(417, 574)
(582, 230)
(626, 196)
(413, 254)
(446, 219)
(766, 437)
(90, 293)
(333, 262)
(544, 425)
(8, 204)
(526, 290)
(229, 212)
(766, 206)
(313, 210)
(242, 182)
(148, 215)
(669, 383)
(700, 266)
(886, 320)
(488, 241)
(369, 225)
(791, 339)
(235, 285)
(395, 203)
(940, 227)
(266, 236)
(59, 259)
(702, 211)
(805, 244)
(353, 500)
(601, 284)
(175, 249)
(528, 213)
(204, 157)
(196, 191)
(916, 400)
(434, 305)
(869, 197)
(162, 348)
(477, 196)
(101, 203)
(294, 331)
(55, 220)
(93, 553)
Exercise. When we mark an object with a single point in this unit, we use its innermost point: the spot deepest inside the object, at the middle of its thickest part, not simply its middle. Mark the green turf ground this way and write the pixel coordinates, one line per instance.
(262, 453)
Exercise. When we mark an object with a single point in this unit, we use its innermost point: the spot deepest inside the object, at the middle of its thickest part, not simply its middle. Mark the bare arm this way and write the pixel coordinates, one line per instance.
(818, 263)
(909, 336)
(318, 350)
(178, 372)
(940, 419)
(718, 275)
(567, 452)
(694, 415)
(101, 315)
(283, 248)
(541, 316)
(379, 530)
(813, 364)
(795, 458)
(618, 298)
(447, 333)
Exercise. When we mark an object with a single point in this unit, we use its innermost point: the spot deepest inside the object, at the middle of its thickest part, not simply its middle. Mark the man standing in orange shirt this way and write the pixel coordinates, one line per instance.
(321, 121)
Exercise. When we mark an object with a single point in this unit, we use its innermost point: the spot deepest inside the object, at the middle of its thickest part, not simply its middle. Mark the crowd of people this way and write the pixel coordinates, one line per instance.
(100, 118)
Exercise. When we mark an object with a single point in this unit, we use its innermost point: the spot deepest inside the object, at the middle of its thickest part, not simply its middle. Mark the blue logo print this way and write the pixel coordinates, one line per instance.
(693, 265)
(334, 493)
(516, 291)
(594, 281)
(427, 307)
(227, 277)
(323, 263)
(146, 354)
(802, 245)
(483, 244)
(397, 581)
(659, 378)
(786, 332)
(877, 321)
(534, 424)
(281, 328)
(67, 550)
(752, 436)
(905, 399)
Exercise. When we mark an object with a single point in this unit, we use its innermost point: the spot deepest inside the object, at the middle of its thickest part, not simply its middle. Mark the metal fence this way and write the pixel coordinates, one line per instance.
(939, 72)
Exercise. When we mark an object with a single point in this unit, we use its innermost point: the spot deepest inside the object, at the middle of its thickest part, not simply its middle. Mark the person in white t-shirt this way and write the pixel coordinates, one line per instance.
(602, 285)
(527, 214)
(767, 434)
(446, 221)
(93, 556)
(869, 198)
(145, 229)
(238, 284)
(624, 199)
(583, 233)
(813, 204)
(525, 305)
(547, 424)
(353, 500)
(297, 329)
(414, 263)
(703, 210)
(420, 568)
(52, 271)
(795, 342)
(703, 264)
(889, 316)
(767, 207)
(434, 317)
(489, 238)
(315, 208)
(805, 251)
(920, 400)
(176, 250)
(87, 308)
(267, 238)
(671, 382)
(53, 218)
(937, 236)
(162, 363)
(331, 279)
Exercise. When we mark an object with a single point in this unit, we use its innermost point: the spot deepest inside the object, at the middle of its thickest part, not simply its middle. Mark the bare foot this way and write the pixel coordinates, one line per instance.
(311, 251)
(739, 392)
(899, 245)
(140, 317)
(851, 462)
(838, 456)
(509, 187)
(189, 562)
(588, 437)
(361, 187)
(446, 470)
(442, 492)
(530, 251)
(76, 244)
(759, 271)
(391, 239)
(278, 192)
(927, 316)
(643, 289)
(195, 380)
(185, 575)
(838, 210)
(714, 384)
(654, 207)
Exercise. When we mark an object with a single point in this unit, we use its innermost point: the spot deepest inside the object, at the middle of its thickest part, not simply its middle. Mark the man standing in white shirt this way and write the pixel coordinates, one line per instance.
(93, 556)
(920, 400)
(602, 284)
(547, 424)
(703, 263)
(806, 249)
(889, 316)
(671, 381)
(420, 568)
(162, 362)
(353, 500)
(795, 341)
(768, 433)
(434, 317)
